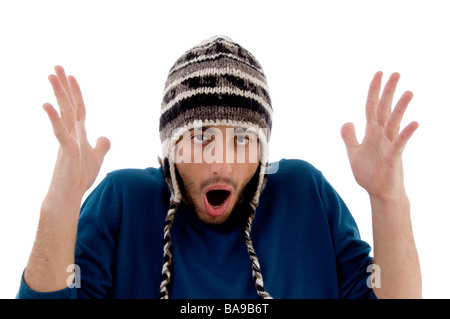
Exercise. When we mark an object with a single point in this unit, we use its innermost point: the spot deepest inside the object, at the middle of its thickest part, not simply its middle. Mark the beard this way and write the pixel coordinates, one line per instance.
(192, 195)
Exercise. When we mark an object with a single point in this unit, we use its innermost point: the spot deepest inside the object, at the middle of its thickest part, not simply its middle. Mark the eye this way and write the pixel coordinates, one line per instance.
(201, 138)
(241, 140)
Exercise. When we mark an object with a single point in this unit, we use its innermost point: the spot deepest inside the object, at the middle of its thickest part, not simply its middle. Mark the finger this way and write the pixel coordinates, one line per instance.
(78, 102)
(373, 96)
(59, 130)
(385, 104)
(393, 123)
(402, 139)
(61, 74)
(349, 136)
(81, 132)
(67, 112)
(102, 146)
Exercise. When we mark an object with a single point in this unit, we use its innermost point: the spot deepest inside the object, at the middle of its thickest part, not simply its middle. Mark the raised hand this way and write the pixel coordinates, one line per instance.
(377, 162)
(378, 167)
(76, 169)
(77, 164)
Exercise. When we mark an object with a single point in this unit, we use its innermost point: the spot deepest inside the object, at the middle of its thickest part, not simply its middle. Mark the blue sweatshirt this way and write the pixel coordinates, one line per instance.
(307, 242)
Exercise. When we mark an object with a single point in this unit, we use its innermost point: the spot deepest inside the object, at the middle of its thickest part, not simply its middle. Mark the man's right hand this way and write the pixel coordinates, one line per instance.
(76, 169)
(77, 164)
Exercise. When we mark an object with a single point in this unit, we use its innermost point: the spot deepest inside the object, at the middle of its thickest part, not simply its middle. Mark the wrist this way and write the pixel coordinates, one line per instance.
(59, 203)
(392, 210)
(390, 200)
(389, 197)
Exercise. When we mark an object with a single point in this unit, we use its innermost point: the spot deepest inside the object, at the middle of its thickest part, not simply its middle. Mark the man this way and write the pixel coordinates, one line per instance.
(216, 219)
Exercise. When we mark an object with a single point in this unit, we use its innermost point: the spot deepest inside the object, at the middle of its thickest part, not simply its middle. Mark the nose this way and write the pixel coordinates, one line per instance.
(221, 164)
(220, 169)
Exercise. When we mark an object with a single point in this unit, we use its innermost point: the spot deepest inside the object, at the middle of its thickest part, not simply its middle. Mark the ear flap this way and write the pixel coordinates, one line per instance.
(165, 165)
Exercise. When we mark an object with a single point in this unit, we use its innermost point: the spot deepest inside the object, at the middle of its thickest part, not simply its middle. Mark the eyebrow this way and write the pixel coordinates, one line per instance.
(204, 128)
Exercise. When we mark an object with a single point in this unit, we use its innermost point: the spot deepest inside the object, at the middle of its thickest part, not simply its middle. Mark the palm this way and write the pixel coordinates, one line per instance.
(377, 162)
(78, 163)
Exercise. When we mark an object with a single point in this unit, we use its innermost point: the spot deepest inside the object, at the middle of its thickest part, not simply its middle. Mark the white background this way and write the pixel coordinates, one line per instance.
(319, 57)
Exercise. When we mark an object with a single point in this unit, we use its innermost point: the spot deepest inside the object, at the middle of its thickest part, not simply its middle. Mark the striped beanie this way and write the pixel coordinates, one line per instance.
(215, 83)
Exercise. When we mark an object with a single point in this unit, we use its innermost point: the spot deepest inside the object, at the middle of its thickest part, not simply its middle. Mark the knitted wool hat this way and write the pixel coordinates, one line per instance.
(216, 83)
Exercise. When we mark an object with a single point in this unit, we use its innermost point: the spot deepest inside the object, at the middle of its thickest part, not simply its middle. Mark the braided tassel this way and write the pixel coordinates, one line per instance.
(166, 271)
(256, 271)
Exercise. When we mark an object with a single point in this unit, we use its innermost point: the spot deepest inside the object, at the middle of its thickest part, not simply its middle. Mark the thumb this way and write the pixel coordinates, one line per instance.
(102, 146)
(349, 136)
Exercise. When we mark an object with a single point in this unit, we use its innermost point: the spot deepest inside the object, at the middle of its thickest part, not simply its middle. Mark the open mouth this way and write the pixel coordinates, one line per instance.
(217, 197)
(217, 200)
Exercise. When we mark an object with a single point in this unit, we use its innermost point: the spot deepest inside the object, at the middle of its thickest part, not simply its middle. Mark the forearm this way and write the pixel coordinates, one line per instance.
(394, 249)
(54, 247)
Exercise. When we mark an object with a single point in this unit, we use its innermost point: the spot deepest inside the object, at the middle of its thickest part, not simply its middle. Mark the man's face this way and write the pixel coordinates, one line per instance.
(215, 165)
